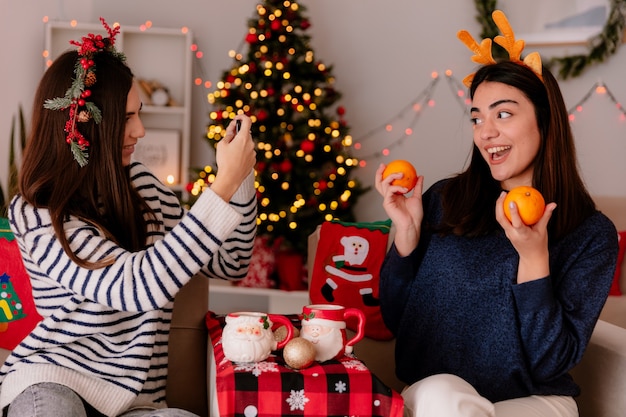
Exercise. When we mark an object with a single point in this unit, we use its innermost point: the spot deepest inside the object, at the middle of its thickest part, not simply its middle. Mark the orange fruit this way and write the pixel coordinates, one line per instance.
(409, 175)
(529, 201)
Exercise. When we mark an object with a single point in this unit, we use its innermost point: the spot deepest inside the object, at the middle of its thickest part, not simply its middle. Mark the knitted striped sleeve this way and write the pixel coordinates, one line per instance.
(213, 236)
(236, 251)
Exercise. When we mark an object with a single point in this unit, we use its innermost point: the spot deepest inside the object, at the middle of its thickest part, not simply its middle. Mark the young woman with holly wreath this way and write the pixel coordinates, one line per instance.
(107, 246)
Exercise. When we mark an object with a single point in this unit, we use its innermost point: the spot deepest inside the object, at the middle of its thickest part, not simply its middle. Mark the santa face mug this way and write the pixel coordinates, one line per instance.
(248, 337)
(324, 325)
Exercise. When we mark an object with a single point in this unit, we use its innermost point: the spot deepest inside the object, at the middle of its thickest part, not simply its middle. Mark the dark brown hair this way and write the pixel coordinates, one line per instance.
(101, 192)
(469, 197)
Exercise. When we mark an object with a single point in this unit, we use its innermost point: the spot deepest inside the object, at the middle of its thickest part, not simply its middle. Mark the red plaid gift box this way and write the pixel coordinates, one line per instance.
(342, 387)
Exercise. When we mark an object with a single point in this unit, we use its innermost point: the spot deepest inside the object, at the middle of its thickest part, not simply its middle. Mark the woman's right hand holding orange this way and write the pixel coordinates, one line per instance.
(406, 213)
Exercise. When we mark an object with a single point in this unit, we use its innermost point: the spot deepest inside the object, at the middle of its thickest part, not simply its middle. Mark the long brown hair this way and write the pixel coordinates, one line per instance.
(469, 197)
(100, 193)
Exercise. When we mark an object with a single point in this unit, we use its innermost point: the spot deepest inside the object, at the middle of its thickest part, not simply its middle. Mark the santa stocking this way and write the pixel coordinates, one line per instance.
(346, 270)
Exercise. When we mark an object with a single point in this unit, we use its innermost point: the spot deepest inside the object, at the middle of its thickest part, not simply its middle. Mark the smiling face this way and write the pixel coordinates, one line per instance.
(506, 132)
(134, 127)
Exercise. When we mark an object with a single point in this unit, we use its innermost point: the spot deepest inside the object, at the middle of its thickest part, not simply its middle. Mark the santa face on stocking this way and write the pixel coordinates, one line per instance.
(350, 266)
(347, 258)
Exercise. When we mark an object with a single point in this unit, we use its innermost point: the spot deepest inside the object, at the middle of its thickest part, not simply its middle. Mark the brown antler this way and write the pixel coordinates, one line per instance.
(482, 52)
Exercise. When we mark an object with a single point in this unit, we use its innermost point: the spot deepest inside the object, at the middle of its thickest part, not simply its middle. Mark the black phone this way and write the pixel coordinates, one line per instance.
(237, 126)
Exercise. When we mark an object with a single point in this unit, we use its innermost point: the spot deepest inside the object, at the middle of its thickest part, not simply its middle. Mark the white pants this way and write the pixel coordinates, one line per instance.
(446, 395)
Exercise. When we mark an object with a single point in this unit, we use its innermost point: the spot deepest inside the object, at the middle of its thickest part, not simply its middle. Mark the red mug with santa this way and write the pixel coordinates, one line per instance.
(324, 325)
(248, 336)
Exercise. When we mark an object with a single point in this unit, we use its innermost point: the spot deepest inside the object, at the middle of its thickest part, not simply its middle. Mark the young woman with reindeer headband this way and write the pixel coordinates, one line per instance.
(490, 315)
(108, 247)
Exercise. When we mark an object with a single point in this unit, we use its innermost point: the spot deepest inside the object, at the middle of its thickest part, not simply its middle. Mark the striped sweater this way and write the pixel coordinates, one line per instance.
(104, 332)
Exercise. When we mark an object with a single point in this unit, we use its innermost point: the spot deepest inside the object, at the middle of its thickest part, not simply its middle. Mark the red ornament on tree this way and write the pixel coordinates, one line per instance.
(286, 166)
(305, 24)
(341, 110)
(260, 166)
(261, 115)
(251, 38)
(307, 146)
(275, 25)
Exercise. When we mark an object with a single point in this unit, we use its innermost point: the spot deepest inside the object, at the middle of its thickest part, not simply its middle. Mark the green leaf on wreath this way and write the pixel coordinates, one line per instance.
(79, 153)
(58, 103)
(94, 111)
(603, 45)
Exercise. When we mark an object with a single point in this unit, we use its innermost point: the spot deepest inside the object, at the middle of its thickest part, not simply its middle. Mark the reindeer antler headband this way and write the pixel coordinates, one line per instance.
(482, 51)
(77, 96)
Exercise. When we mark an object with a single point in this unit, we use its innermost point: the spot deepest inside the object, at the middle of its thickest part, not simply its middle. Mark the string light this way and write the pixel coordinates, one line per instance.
(416, 105)
(424, 99)
(459, 92)
(601, 89)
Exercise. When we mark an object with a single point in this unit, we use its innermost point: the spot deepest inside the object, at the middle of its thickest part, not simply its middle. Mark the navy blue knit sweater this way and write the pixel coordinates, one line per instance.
(455, 307)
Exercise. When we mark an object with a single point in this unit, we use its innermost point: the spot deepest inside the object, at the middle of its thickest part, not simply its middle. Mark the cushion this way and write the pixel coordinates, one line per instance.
(18, 315)
(346, 269)
(615, 288)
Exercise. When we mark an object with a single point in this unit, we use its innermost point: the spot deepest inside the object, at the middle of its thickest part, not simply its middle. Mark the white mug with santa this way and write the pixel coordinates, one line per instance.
(248, 336)
(324, 325)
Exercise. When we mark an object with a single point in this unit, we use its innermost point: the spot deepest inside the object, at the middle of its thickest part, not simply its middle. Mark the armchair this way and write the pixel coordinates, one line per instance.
(187, 380)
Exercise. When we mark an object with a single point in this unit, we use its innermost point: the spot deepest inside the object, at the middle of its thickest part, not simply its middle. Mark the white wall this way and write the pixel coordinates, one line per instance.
(382, 55)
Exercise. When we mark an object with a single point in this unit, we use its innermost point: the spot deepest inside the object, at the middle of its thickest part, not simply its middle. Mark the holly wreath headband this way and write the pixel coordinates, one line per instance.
(76, 97)
(482, 51)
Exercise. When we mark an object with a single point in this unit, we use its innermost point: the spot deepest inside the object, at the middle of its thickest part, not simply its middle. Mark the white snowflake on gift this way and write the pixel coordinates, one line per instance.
(355, 364)
(341, 387)
(257, 368)
(297, 400)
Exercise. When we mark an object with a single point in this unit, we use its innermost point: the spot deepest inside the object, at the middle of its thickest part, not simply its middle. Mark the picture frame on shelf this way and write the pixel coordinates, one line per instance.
(159, 150)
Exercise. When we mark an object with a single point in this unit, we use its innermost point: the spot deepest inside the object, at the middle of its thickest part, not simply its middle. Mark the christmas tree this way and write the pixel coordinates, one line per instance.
(303, 162)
